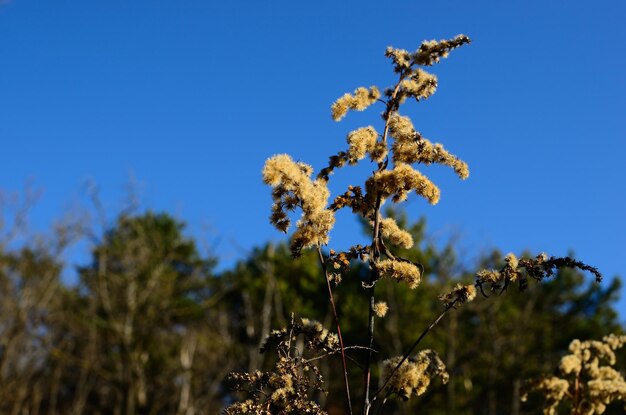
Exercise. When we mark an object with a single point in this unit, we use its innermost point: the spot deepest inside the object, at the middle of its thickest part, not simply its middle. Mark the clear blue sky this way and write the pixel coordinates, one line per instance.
(193, 96)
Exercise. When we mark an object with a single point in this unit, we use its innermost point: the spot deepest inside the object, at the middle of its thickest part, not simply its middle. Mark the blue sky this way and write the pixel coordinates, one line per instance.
(190, 97)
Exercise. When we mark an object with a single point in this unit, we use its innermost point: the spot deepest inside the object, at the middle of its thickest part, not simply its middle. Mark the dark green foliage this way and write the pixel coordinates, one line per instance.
(149, 328)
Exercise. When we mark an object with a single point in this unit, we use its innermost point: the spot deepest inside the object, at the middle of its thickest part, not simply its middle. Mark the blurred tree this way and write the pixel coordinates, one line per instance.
(29, 285)
(141, 308)
(151, 329)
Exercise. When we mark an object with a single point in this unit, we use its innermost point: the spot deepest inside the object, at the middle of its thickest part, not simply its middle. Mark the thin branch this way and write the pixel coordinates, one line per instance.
(343, 354)
(332, 352)
(376, 249)
(408, 353)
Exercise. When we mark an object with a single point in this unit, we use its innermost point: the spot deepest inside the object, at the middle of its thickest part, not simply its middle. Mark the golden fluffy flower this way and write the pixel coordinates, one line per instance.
(390, 230)
(400, 271)
(360, 100)
(415, 374)
(293, 188)
(361, 142)
(460, 294)
(380, 309)
(398, 182)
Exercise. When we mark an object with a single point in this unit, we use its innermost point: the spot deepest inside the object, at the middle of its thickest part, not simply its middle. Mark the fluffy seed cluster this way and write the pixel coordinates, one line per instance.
(429, 53)
(399, 181)
(415, 374)
(460, 294)
(360, 100)
(419, 85)
(293, 187)
(404, 271)
(364, 141)
(521, 270)
(287, 389)
(390, 230)
(317, 337)
(401, 59)
(588, 384)
(380, 309)
(410, 147)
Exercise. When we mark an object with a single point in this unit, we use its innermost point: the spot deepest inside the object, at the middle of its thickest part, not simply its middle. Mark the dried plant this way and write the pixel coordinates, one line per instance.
(586, 379)
(286, 390)
(396, 149)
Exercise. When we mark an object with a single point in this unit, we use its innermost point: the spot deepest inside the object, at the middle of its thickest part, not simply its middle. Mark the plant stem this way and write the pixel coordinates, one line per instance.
(375, 255)
(408, 353)
(375, 252)
(368, 369)
(343, 354)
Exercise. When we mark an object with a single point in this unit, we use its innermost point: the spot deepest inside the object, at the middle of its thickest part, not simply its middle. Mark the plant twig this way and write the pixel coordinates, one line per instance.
(337, 351)
(343, 354)
(376, 249)
(408, 353)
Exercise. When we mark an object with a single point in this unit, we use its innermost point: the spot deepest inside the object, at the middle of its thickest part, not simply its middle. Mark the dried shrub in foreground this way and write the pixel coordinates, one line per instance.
(288, 388)
(586, 379)
(396, 150)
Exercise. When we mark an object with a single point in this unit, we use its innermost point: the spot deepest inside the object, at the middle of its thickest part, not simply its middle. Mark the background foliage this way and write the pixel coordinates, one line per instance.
(152, 328)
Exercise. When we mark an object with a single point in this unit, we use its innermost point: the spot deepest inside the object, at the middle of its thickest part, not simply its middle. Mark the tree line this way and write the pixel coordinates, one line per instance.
(150, 326)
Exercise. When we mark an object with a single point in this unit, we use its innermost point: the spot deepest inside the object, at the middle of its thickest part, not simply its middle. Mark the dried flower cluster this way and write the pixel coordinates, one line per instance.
(390, 230)
(410, 147)
(288, 388)
(586, 384)
(399, 181)
(364, 141)
(316, 337)
(293, 188)
(415, 373)
(429, 53)
(397, 149)
(404, 271)
(460, 294)
(381, 308)
(360, 100)
(521, 270)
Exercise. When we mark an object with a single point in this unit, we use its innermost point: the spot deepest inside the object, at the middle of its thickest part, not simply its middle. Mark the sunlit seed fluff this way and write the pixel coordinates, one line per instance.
(398, 182)
(317, 336)
(400, 271)
(361, 142)
(460, 294)
(430, 52)
(401, 128)
(360, 100)
(423, 151)
(401, 58)
(379, 152)
(292, 185)
(312, 230)
(511, 260)
(390, 230)
(489, 275)
(415, 374)
(410, 147)
(614, 341)
(420, 85)
(282, 170)
(380, 309)
(554, 389)
(570, 364)
(589, 361)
